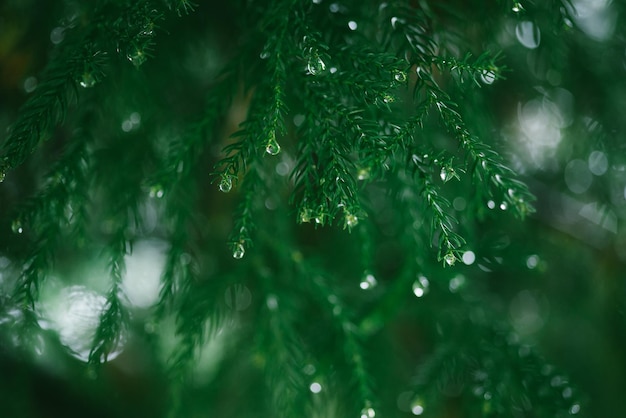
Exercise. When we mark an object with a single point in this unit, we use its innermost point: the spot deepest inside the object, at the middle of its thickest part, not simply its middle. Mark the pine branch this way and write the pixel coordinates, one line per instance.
(325, 187)
(181, 6)
(498, 377)
(480, 70)
(244, 220)
(80, 62)
(442, 223)
(285, 357)
(46, 217)
(114, 318)
(353, 349)
(487, 164)
(267, 109)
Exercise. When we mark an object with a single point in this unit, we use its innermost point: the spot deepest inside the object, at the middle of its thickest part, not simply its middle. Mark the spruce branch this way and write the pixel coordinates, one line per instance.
(285, 357)
(200, 315)
(114, 318)
(375, 95)
(182, 6)
(502, 376)
(481, 70)
(325, 186)
(45, 218)
(484, 163)
(111, 328)
(257, 132)
(45, 109)
(342, 321)
(421, 51)
(244, 219)
(81, 61)
(487, 165)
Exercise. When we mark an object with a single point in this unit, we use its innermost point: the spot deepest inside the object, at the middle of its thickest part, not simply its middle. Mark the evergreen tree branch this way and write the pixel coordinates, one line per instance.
(114, 318)
(341, 318)
(80, 62)
(500, 376)
(45, 217)
(200, 316)
(285, 357)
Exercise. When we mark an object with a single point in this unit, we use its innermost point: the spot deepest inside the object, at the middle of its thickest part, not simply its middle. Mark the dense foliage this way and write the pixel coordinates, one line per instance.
(312, 208)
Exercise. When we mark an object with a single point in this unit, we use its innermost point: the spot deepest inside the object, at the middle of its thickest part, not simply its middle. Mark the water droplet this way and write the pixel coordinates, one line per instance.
(450, 259)
(417, 407)
(400, 76)
(282, 168)
(557, 381)
(517, 7)
(137, 57)
(135, 119)
(305, 215)
(363, 174)
(456, 283)
(239, 251)
(459, 203)
(16, 227)
(226, 184)
(315, 65)
(352, 25)
(351, 220)
(598, 163)
(368, 412)
(368, 282)
(272, 302)
(57, 35)
(264, 55)
(528, 34)
(147, 31)
(420, 287)
(309, 369)
(299, 119)
(87, 80)
(388, 98)
(469, 257)
(567, 393)
(574, 409)
(315, 387)
(272, 148)
(150, 327)
(447, 173)
(488, 77)
(491, 204)
(30, 84)
(532, 261)
(156, 191)
(503, 206)
(2, 176)
(395, 21)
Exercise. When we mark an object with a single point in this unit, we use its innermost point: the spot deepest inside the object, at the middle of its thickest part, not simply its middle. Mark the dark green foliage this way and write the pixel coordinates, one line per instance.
(334, 198)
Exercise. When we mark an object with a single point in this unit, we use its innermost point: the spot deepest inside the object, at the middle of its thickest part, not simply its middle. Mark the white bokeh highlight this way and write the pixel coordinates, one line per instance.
(73, 312)
(141, 282)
